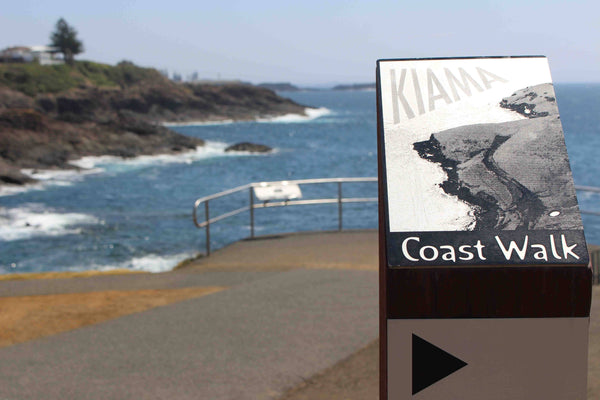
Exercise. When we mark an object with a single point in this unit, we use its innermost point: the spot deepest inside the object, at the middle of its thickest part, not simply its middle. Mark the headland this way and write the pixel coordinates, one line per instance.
(51, 115)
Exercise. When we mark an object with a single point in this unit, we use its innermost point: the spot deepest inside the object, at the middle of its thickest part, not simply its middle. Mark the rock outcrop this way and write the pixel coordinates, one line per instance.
(249, 147)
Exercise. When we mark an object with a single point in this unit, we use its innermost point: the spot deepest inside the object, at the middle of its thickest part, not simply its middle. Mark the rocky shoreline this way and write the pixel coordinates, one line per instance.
(43, 129)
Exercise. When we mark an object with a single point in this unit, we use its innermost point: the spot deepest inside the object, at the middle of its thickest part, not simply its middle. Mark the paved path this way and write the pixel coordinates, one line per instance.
(295, 306)
(271, 329)
(349, 249)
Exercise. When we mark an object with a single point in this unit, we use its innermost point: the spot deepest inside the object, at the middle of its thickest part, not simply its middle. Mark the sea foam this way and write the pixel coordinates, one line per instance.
(209, 150)
(100, 164)
(199, 123)
(309, 115)
(46, 178)
(150, 263)
(33, 220)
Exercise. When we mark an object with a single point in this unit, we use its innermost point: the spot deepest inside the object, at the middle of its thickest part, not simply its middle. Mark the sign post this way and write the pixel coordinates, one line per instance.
(485, 289)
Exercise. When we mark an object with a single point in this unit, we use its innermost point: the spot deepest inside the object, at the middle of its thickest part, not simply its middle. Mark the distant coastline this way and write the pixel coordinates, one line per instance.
(51, 115)
(356, 86)
(289, 87)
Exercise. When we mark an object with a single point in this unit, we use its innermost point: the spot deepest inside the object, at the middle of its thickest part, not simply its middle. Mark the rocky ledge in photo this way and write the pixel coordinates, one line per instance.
(516, 174)
(50, 115)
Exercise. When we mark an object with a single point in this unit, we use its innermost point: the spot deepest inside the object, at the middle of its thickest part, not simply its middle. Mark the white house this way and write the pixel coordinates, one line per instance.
(45, 55)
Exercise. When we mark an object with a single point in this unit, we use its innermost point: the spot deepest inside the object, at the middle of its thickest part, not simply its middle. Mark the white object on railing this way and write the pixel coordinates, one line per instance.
(267, 191)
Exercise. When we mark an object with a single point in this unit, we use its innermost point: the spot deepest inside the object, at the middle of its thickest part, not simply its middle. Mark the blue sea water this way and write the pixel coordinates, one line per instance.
(137, 213)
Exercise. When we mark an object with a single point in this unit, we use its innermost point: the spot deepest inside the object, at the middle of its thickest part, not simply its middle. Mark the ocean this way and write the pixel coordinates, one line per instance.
(137, 213)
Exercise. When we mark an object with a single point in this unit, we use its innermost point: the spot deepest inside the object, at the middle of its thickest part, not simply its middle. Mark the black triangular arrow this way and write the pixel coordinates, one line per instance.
(430, 364)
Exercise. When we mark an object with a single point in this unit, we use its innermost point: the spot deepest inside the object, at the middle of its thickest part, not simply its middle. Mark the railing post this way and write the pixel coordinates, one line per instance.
(340, 222)
(251, 212)
(207, 216)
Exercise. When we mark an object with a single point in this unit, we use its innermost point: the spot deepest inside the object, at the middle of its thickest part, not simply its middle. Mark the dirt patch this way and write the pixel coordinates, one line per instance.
(355, 378)
(25, 318)
(66, 275)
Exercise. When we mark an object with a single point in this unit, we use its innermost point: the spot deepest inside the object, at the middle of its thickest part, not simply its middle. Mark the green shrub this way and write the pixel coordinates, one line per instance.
(32, 78)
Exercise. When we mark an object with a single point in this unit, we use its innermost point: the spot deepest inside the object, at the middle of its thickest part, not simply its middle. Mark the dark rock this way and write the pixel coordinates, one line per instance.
(77, 104)
(249, 147)
(22, 119)
(12, 175)
(13, 99)
(25, 119)
(47, 103)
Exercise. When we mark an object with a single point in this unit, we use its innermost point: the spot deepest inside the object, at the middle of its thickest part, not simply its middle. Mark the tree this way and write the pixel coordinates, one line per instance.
(64, 38)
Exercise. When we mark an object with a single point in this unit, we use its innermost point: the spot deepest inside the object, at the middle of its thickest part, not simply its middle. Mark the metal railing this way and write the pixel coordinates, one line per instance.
(254, 204)
(589, 189)
(594, 254)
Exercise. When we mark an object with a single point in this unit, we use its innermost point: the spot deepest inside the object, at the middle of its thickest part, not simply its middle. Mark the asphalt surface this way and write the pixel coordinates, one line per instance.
(270, 330)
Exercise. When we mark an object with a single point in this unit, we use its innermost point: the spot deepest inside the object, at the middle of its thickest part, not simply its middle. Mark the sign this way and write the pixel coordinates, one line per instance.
(479, 226)
(277, 191)
(492, 359)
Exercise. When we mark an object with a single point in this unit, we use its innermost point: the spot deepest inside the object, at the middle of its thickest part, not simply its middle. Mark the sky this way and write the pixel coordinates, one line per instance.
(313, 43)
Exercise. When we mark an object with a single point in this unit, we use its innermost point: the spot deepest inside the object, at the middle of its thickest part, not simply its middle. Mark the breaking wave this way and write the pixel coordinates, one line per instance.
(99, 164)
(309, 115)
(149, 263)
(209, 150)
(32, 220)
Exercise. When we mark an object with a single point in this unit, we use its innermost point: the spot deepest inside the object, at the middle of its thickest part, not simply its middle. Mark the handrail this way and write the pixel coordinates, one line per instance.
(252, 204)
(587, 188)
(215, 196)
(595, 254)
(590, 189)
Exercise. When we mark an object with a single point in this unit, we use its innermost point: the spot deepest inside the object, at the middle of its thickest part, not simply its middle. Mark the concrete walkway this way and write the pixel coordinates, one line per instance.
(276, 325)
(295, 306)
(322, 250)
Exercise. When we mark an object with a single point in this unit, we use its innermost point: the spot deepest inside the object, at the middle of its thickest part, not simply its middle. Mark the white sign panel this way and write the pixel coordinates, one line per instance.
(277, 191)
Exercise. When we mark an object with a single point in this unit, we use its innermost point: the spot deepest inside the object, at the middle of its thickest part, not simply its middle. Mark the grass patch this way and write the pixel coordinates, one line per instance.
(33, 79)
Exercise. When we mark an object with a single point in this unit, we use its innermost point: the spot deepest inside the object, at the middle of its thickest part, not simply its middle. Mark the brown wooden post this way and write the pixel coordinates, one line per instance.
(485, 288)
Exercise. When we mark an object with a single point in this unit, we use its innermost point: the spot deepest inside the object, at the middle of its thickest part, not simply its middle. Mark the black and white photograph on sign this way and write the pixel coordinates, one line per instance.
(475, 144)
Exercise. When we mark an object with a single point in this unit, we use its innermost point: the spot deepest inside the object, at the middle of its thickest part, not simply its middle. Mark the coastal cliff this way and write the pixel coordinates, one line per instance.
(50, 115)
(516, 174)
